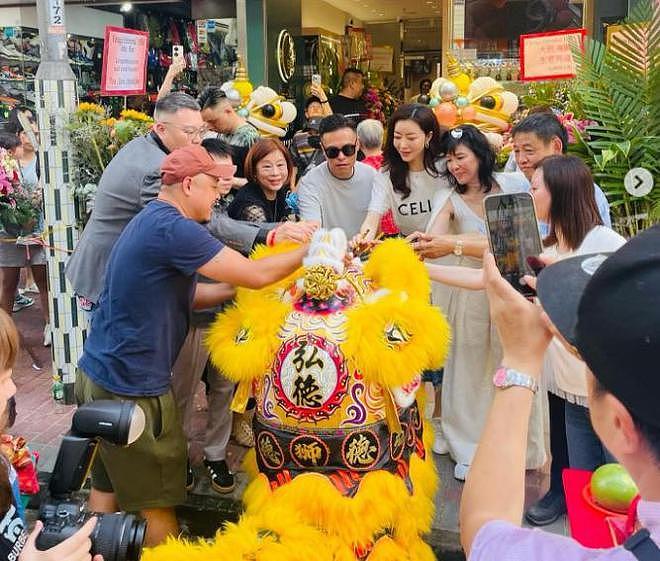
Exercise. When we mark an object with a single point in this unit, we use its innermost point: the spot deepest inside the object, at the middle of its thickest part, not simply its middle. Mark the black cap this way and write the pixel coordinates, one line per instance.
(608, 307)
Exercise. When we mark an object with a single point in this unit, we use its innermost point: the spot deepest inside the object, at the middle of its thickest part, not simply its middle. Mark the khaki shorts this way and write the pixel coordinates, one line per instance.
(151, 472)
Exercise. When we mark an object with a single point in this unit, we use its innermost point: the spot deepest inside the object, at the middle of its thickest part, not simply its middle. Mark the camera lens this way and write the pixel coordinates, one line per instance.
(118, 537)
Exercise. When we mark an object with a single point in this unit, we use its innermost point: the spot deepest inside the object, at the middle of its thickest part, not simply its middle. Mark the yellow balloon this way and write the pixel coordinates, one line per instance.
(462, 82)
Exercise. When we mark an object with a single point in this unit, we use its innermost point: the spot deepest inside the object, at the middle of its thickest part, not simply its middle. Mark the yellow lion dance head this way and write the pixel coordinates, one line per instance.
(333, 356)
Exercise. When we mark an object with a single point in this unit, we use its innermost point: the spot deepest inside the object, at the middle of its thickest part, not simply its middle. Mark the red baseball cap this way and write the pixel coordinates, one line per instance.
(190, 161)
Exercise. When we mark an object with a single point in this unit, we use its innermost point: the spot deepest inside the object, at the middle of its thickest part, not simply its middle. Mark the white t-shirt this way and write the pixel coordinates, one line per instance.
(413, 213)
(565, 374)
(339, 203)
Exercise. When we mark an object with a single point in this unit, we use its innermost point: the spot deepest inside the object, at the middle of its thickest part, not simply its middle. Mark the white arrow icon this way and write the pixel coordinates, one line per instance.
(638, 182)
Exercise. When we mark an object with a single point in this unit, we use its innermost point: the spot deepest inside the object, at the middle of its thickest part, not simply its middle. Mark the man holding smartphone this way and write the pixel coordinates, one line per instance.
(623, 396)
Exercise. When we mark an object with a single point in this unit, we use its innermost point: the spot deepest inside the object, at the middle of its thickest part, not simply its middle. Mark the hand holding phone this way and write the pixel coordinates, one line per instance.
(513, 235)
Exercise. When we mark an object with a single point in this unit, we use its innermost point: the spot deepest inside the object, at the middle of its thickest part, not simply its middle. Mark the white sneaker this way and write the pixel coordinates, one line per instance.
(48, 336)
(461, 471)
(439, 445)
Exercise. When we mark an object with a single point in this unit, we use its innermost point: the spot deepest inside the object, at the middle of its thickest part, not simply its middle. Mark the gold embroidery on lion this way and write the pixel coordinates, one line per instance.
(360, 451)
(268, 450)
(310, 452)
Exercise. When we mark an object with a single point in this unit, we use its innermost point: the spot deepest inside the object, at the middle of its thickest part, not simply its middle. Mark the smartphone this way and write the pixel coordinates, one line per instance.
(316, 79)
(513, 234)
(177, 52)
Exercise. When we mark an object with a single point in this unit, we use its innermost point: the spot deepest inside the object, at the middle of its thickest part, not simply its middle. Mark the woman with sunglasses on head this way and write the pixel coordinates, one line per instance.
(467, 391)
(268, 169)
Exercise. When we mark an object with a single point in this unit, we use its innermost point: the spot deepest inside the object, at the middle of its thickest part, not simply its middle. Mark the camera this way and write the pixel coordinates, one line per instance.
(118, 536)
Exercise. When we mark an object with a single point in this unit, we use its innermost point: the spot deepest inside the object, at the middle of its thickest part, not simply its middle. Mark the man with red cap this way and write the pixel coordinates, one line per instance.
(142, 321)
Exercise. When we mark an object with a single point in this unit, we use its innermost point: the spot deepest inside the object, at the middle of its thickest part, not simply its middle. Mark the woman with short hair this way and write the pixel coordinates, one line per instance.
(268, 169)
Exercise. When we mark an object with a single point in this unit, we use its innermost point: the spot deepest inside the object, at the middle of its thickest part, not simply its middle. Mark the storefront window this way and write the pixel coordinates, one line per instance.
(493, 27)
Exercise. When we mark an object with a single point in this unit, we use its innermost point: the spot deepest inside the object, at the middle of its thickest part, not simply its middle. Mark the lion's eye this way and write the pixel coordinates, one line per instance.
(242, 335)
(395, 335)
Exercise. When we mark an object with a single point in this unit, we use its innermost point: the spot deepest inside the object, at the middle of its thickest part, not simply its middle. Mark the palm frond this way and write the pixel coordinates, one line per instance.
(619, 88)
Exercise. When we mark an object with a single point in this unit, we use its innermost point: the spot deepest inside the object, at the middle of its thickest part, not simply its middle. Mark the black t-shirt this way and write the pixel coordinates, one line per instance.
(250, 204)
(347, 106)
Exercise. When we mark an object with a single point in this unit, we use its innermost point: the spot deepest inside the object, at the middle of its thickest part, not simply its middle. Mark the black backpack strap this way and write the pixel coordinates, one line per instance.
(642, 546)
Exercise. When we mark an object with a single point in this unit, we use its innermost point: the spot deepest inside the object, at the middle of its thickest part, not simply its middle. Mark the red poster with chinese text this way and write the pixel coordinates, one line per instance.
(124, 69)
(548, 56)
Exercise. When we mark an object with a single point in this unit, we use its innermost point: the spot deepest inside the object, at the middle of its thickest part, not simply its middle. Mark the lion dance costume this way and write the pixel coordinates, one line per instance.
(333, 355)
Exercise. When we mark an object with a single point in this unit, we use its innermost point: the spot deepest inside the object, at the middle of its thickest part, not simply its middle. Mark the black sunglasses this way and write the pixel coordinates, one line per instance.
(347, 149)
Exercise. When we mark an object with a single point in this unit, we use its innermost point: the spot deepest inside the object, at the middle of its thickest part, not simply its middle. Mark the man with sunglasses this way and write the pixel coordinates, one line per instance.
(337, 193)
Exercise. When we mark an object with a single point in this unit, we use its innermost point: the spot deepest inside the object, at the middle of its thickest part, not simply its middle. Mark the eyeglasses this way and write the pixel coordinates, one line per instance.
(190, 132)
(332, 152)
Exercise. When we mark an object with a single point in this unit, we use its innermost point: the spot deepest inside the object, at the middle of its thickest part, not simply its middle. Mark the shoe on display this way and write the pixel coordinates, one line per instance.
(222, 480)
(5, 52)
(11, 52)
(21, 302)
(548, 509)
(48, 336)
(190, 477)
(439, 445)
(461, 471)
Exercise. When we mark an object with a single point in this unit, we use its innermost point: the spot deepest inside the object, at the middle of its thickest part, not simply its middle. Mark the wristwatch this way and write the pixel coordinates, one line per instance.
(458, 248)
(508, 377)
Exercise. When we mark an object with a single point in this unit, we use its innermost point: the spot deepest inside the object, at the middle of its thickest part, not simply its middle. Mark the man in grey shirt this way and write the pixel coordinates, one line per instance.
(132, 179)
(338, 192)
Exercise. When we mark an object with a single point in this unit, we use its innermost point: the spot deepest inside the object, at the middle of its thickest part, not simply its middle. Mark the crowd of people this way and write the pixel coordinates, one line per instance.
(178, 211)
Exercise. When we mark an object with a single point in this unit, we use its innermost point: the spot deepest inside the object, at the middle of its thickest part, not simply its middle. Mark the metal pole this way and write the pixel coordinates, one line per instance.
(56, 99)
(241, 30)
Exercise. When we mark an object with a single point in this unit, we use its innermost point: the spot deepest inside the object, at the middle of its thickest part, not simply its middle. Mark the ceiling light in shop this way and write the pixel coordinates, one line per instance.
(126, 7)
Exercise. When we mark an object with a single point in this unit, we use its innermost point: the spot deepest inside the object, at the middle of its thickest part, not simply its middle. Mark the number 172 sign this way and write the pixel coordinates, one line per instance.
(56, 17)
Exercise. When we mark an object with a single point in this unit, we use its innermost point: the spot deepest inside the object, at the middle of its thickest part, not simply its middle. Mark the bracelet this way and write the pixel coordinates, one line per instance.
(326, 101)
(270, 237)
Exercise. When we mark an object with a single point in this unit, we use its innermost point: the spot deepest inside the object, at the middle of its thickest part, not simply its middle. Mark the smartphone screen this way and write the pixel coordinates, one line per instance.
(513, 235)
(316, 79)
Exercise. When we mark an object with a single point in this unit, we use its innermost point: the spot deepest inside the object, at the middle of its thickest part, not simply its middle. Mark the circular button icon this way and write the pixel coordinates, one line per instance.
(638, 182)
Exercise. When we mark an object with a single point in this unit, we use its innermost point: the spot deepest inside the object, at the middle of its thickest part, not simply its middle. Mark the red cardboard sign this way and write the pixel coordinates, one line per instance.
(124, 69)
(548, 56)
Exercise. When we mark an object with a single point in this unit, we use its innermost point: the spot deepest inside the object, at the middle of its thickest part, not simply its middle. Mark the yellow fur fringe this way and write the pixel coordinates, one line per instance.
(243, 340)
(394, 265)
(275, 289)
(308, 519)
(395, 365)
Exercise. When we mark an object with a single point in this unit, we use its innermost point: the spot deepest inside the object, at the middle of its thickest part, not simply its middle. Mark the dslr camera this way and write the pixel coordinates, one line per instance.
(118, 536)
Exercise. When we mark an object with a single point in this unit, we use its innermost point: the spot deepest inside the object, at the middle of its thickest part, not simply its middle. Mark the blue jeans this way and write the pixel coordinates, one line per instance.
(585, 450)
